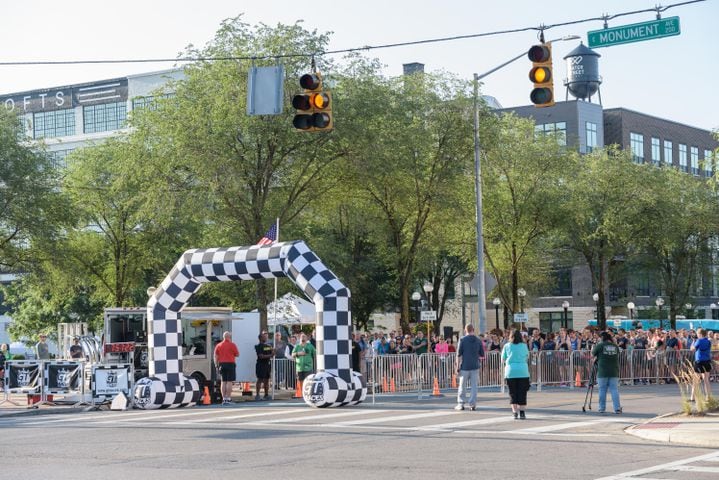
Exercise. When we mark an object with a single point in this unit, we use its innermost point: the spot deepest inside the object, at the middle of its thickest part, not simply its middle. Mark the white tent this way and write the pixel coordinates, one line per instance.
(290, 309)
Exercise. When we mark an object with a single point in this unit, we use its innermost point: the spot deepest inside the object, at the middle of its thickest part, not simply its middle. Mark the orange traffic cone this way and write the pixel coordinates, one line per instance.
(384, 384)
(578, 380)
(246, 389)
(435, 390)
(298, 389)
(391, 385)
(454, 380)
(206, 400)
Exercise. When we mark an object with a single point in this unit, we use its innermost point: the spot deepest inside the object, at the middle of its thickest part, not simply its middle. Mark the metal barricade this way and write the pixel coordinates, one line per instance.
(396, 373)
(491, 373)
(283, 374)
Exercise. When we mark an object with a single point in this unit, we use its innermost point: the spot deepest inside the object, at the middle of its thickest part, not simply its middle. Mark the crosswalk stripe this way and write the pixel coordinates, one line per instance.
(395, 418)
(658, 468)
(691, 468)
(224, 418)
(481, 421)
(558, 426)
(135, 417)
(322, 417)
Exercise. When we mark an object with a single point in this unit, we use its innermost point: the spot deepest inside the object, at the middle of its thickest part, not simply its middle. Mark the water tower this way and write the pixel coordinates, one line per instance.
(583, 77)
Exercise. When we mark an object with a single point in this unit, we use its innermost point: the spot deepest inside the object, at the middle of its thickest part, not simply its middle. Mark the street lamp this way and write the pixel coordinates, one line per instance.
(478, 184)
(659, 302)
(713, 307)
(565, 306)
(521, 293)
(595, 297)
(428, 289)
(630, 307)
(416, 297)
(496, 302)
(688, 307)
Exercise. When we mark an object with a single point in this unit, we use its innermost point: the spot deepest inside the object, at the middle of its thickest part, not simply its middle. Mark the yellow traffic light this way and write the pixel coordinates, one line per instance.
(314, 106)
(541, 75)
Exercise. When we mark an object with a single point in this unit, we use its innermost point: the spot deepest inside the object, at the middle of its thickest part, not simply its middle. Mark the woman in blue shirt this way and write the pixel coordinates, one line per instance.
(516, 371)
(702, 360)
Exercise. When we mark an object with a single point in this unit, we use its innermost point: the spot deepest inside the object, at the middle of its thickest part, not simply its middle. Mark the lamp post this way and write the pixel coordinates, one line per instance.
(496, 302)
(521, 293)
(713, 307)
(482, 323)
(428, 289)
(659, 302)
(565, 306)
(595, 297)
(416, 297)
(630, 307)
(688, 308)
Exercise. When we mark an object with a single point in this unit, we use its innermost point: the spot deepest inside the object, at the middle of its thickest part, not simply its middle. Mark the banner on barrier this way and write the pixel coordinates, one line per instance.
(22, 376)
(108, 381)
(62, 377)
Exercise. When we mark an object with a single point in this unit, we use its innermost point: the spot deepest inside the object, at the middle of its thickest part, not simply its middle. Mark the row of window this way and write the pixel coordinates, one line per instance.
(559, 129)
(105, 117)
(687, 163)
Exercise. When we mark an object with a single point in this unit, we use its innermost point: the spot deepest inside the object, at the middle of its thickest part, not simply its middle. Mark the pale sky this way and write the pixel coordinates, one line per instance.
(675, 78)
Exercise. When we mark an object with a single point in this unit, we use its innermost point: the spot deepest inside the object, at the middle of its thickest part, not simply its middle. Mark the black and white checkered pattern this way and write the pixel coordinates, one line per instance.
(168, 387)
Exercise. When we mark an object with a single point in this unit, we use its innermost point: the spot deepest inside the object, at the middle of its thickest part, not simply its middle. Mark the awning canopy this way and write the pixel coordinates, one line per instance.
(290, 309)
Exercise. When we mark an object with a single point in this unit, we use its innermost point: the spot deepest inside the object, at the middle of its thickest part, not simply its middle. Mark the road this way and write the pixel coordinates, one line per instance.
(397, 438)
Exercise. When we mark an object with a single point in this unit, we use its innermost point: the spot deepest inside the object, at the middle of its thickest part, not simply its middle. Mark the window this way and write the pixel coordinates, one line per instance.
(559, 129)
(149, 102)
(708, 163)
(636, 142)
(105, 117)
(591, 136)
(656, 151)
(552, 321)
(58, 123)
(562, 282)
(668, 152)
(683, 158)
(694, 157)
(58, 157)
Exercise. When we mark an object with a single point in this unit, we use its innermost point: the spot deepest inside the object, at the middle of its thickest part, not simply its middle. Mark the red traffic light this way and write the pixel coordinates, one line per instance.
(539, 54)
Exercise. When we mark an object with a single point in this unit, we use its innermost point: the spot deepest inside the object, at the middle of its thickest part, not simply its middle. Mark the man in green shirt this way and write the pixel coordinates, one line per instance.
(304, 355)
(420, 343)
(606, 353)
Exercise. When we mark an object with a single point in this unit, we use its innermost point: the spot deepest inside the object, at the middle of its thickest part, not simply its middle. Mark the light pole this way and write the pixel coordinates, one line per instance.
(630, 307)
(428, 289)
(482, 323)
(521, 293)
(416, 297)
(688, 308)
(565, 306)
(659, 302)
(496, 302)
(595, 297)
(713, 307)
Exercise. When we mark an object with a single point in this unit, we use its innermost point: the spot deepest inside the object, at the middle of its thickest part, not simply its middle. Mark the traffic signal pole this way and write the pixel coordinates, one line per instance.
(481, 294)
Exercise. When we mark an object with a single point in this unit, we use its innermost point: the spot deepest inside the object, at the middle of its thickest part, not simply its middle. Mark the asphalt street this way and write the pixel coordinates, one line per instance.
(397, 437)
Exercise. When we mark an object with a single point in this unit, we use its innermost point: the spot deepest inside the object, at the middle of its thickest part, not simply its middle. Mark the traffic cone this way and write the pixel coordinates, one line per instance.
(384, 384)
(298, 389)
(435, 390)
(391, 385)
(246, 390)
(454, 380)
(206, 400)
(578, 380)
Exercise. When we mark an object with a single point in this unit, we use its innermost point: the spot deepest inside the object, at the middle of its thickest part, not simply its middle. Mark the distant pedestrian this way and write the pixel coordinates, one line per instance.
(356, 353)
(303, 354)
(516, 373)
(607, 357)
(76, 350)
(702, 361)
(263, 366)
(42, 352)
(225, 354)
(468, 353)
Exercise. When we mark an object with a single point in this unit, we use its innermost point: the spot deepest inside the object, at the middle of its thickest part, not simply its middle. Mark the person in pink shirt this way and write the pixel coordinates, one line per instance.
(442, 347)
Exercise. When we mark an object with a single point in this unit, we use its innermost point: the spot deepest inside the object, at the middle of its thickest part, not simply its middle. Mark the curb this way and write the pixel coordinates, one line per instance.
(669, 435)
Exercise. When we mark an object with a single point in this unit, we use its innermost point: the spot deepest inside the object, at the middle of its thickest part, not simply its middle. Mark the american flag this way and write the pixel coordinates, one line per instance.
(270, 237)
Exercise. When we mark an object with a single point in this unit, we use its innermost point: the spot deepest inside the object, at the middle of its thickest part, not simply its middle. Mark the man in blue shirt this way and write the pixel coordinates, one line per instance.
(468, 353)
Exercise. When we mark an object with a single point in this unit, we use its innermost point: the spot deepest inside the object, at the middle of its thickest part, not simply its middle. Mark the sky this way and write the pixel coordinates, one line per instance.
(675, 78)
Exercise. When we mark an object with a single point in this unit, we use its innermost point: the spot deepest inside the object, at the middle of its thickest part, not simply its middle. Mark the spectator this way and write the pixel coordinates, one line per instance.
(263, 366)
(607, 357)
(41, 349)
(76, 350)
(304, 358)
(450, 346)
(356, 353)
(420, 343)
(516, 373)
(225, 354)
(442, 347)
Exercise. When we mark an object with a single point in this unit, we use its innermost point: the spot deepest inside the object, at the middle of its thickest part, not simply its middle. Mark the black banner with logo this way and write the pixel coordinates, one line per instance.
(23, 376)
(62, 377)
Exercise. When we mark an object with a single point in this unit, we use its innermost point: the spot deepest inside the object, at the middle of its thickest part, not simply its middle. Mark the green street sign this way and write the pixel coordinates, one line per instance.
(636, 32)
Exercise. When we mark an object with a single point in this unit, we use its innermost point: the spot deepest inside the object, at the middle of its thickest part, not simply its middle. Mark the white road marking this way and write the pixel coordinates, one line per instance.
(481, 421)
(246, 415)
(135, 417)
(321, 417)
(689, 468)
(557, 426)
(396, 418)
(711, 457)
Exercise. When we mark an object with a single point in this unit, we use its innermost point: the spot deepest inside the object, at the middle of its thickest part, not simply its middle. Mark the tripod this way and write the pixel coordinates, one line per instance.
(590, 387)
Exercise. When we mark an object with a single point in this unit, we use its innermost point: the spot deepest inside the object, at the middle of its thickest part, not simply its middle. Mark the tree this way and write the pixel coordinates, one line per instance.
(521, 176)
(409, 142)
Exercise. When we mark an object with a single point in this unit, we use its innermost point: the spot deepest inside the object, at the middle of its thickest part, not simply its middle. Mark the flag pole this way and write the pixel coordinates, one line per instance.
(274, 324)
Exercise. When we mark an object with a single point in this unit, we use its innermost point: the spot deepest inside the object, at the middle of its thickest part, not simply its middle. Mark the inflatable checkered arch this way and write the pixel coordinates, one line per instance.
(334, 385)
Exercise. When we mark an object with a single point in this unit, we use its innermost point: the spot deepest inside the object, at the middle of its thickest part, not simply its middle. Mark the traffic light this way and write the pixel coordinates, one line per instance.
(314, 106)
(541, 75)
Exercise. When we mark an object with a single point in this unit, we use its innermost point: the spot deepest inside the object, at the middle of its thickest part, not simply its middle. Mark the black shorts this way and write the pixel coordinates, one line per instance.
(227, 372)
(262, 371)
(302, 375)
(701, 367)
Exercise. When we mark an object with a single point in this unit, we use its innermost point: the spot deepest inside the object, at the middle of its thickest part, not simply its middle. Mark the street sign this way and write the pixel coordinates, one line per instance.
(521, 317)
(428, 315)
(636, 32)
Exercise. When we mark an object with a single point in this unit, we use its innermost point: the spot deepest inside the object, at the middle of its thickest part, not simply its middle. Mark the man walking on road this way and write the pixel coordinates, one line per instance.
(607, 355)
(225, 354)
(468, 353)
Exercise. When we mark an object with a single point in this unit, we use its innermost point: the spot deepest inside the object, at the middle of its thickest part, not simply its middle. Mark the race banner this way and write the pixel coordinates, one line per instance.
(62, 377)
(109, 380)
(23, 377)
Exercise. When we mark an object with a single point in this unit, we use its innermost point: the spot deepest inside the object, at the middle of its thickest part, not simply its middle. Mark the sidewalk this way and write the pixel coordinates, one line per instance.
(699, 431)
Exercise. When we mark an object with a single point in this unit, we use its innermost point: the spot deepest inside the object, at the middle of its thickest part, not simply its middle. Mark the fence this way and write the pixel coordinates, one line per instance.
(388, 374)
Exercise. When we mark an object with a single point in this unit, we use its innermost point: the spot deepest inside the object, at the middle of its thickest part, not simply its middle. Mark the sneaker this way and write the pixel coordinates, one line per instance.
(266, 397)
(516, 415)
(459, 407)
(472, 408)
(257, 398)
(522, 415)
(600, 411)
(618, 411)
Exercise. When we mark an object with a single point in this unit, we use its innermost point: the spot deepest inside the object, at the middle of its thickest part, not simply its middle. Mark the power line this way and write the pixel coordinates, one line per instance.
(604, 18)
